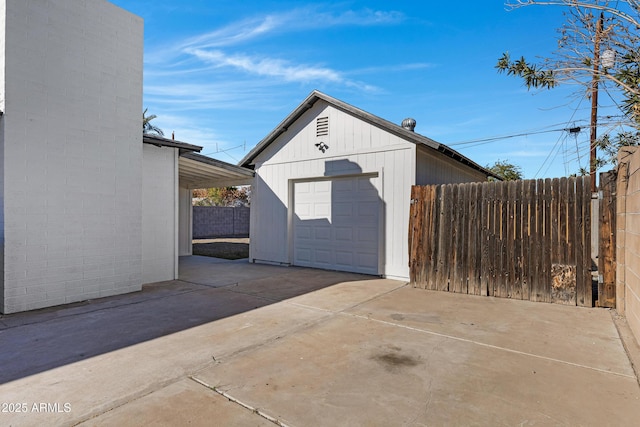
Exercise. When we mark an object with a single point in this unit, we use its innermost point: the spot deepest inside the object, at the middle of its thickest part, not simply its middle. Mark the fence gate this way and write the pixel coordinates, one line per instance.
(526, 239)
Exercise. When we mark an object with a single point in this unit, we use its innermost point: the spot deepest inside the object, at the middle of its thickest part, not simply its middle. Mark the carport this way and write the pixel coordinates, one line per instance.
(198, 171)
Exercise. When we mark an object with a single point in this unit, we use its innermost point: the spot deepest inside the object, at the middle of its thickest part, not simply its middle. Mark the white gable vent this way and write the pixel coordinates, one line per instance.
(322, 126)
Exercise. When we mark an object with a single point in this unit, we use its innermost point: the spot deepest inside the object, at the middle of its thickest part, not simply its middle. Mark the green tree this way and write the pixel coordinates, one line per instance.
(147, 126)
(508, 171)
(223, 196)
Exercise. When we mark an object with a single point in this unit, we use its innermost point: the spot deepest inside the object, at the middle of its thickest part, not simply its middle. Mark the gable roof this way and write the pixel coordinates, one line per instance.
(367, 117)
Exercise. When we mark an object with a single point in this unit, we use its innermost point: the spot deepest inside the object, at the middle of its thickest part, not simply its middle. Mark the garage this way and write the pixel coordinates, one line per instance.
(332, 188)
(336, 224)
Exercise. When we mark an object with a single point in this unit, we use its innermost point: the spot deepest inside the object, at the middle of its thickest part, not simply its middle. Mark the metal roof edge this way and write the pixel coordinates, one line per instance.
(160, 141)
(219, 163)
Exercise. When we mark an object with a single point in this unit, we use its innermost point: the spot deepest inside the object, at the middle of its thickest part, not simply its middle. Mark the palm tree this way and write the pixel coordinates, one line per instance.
(147, 127)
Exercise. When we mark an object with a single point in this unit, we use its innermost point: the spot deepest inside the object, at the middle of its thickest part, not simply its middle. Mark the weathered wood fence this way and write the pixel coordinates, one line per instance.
(527, 239)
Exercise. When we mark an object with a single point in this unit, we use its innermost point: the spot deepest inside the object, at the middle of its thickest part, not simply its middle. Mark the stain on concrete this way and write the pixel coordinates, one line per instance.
(394, 361)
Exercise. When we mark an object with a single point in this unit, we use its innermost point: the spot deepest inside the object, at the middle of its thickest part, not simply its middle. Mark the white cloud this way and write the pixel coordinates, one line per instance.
(310, 17)
(272, 67)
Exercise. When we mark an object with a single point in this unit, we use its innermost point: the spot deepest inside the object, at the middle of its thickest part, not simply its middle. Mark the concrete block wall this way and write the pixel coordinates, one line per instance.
(219, 221)
(628, 237)
(72, 152)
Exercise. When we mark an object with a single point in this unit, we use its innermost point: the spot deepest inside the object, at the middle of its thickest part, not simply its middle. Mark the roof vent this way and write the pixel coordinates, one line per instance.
(322, 126)
(409, 124)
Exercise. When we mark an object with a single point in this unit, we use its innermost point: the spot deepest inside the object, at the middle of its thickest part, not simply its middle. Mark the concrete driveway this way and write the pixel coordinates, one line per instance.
(238, 344)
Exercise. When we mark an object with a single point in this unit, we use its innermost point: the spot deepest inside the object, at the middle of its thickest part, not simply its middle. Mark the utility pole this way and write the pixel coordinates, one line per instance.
(594, 102)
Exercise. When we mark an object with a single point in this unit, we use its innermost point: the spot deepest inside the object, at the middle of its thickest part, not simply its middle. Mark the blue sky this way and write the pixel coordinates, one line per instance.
(223, 74)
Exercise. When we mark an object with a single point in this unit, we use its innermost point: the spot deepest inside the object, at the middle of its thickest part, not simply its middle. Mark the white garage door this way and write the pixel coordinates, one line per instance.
(336, 224)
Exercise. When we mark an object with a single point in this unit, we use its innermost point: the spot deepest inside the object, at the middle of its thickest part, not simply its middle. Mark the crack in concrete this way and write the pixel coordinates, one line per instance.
(242, 404)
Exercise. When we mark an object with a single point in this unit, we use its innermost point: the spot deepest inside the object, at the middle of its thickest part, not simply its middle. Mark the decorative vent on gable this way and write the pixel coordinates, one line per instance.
(322, 126)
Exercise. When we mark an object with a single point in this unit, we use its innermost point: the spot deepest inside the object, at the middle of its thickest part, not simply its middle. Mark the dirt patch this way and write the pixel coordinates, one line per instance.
(226, 248)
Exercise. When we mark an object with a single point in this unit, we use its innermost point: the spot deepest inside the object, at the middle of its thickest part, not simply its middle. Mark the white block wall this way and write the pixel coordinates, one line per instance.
(159, 213)
(72, 152)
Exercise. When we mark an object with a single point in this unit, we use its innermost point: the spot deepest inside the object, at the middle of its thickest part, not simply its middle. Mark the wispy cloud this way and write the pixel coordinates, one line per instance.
(310, 17)
(277, 68)
(208, 51)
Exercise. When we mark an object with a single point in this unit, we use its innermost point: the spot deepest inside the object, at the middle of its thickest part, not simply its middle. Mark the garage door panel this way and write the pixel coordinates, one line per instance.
(303, 188)
(367, 235)
(344, 233)
(348, 238)
(303, 232)
(368, 260)
(322, 211)
(344, 258)
(323, 257)
(304, 210)
(303, 255)
(320, 187)
(342, 209)
(322, 233)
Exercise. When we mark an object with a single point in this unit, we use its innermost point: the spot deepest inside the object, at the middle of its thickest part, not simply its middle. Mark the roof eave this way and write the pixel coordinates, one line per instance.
(160, 141)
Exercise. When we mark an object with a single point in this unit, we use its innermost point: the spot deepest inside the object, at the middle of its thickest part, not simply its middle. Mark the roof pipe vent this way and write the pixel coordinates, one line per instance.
(409, 124)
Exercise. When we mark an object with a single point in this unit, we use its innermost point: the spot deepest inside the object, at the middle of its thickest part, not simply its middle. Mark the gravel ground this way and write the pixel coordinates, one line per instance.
(227, 248)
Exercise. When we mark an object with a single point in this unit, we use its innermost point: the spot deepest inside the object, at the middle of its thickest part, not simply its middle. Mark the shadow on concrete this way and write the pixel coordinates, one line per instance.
(222, 249)
(209, 289)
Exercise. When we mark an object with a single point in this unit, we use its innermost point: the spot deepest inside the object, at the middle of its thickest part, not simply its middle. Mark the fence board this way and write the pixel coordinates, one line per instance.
(521, 239)
(485, 210)
(517, 240)
(475, 250)
(444, 247)
(415, 233)
(606, 254)
(432, 270)
(455, 284)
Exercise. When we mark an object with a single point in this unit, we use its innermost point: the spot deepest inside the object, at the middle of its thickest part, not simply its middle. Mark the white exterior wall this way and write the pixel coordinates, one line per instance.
(72, 152)
(3, 19)
(185, 222)
(435, 168)
(159, 213)
(354, 147)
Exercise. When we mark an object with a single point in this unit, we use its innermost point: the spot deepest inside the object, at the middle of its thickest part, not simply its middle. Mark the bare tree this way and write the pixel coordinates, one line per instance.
(597, 46)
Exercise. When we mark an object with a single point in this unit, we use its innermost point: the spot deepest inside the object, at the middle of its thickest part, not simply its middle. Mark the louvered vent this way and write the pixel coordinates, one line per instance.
(322, 126)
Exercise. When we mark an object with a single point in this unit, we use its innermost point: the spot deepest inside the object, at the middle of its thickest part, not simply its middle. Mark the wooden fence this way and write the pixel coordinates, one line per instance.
(518, 239)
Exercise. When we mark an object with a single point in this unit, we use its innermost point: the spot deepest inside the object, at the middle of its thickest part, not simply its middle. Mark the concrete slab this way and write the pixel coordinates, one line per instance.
(571, 334)
(354, 371)
(182, 403)
(312, 348)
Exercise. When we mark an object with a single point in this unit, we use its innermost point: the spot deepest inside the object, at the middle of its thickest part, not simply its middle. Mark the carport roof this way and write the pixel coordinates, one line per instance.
(393, 128)
(198, 171)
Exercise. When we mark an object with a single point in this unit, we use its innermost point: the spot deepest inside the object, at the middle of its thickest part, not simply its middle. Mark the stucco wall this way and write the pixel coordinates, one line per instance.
(159, 213)
(628, 237)
(72, 148)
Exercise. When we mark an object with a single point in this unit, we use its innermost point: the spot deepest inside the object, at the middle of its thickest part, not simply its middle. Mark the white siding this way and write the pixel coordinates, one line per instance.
(159, 202)
(72, 152)
(436, 168)
(354, 147)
